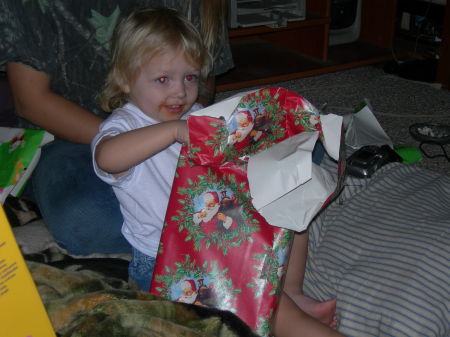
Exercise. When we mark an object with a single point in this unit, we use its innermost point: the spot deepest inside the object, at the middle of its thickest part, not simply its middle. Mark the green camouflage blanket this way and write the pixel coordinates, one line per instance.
(85, 303)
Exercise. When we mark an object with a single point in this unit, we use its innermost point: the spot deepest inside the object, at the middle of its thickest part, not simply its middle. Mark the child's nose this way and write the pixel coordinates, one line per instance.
(179, 89)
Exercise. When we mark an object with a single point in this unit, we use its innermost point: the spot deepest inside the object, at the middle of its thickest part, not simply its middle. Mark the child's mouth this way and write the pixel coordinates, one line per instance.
(175, 109)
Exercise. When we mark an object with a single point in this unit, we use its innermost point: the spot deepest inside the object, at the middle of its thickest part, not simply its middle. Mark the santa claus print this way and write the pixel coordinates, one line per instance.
(210, 216)
(188, 292)
(199, 294)
(244, 127)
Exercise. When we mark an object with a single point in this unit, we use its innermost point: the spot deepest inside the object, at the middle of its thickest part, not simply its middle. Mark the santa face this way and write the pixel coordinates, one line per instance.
(243, 122)
(244, 127)
(211, 209)
(188, 298)
(210, 204)
(188, 293)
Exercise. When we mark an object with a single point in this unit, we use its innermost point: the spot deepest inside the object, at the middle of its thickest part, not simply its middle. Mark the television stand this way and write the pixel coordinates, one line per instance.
(264, 55)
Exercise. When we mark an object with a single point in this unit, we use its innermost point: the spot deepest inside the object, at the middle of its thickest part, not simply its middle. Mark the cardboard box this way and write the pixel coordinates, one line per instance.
(22, 311)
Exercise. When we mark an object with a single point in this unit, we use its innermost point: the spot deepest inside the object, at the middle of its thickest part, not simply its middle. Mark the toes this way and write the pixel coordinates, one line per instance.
(333, 324)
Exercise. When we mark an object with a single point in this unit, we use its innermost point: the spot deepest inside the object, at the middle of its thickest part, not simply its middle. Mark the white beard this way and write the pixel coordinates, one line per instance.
(210, 212)
(188, 299)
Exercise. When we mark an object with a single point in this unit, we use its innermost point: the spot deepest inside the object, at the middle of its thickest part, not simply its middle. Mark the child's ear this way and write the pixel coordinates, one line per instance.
(124, 85)
(122, 82)
(125, 88)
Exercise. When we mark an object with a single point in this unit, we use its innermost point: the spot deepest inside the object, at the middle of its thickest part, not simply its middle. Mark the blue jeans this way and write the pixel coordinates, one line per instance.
(140, 269)
(79, 209)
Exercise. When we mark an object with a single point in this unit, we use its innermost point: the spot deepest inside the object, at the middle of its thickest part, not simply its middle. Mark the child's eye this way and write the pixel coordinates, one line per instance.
(162, 79)
(191, 78)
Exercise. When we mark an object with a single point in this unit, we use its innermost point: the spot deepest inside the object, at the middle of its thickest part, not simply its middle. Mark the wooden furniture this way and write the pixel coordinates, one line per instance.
(443, 71)
(264, 55)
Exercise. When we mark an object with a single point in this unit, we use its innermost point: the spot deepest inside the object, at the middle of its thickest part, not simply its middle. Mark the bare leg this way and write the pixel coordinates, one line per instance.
(293, 285)
(291, 321)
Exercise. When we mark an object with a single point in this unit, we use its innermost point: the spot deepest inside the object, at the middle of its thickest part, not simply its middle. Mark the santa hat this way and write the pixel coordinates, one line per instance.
(244, 115)
(211, 196)
(188, 284)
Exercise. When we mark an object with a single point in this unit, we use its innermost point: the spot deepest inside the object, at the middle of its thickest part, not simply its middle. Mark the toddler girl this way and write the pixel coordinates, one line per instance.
(158, 63)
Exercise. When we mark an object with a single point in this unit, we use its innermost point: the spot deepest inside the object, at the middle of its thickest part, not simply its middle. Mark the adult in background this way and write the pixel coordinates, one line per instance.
(57, 55)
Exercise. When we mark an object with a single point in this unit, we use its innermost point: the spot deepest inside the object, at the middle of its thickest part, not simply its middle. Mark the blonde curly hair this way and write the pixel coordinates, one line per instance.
(143, 34)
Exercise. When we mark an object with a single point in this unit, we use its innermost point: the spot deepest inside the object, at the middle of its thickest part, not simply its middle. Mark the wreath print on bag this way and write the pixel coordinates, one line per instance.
(215, 212)
(201, 285)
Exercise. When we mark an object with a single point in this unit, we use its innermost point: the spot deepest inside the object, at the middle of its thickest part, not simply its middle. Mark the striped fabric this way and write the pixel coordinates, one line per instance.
(383, 250)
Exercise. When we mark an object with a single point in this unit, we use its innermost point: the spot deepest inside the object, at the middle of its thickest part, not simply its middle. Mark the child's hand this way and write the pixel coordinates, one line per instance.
(182, 132)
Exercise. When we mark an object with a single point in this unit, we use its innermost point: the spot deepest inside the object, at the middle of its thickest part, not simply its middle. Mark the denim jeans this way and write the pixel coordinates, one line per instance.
(81, 211)
(140, 269)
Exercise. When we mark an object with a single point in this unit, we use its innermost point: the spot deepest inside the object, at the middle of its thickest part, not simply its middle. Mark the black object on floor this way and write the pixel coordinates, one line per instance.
(366, 160)
(416, 70)
(109, 267)
(431, 134)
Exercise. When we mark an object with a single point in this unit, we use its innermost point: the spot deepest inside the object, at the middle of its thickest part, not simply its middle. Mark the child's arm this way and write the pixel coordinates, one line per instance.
(117, 154)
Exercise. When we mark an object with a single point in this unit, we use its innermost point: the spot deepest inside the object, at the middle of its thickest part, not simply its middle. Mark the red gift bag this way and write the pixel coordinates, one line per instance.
(216, 250)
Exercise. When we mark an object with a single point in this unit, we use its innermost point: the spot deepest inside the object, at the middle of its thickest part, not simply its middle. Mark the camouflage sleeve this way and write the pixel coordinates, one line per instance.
(70, 40)
(25, 36)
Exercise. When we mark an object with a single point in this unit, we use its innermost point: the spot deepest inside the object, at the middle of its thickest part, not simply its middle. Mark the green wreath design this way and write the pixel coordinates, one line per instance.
(222, 240)
(268, 265)
(223, 286)
(302, 117)
(264, 324)
(219, 139)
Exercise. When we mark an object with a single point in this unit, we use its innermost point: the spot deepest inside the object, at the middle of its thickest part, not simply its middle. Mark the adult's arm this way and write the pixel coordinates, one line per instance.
(35, 101)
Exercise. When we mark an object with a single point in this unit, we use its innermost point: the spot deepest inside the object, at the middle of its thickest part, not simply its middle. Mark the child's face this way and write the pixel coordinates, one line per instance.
(166, 87)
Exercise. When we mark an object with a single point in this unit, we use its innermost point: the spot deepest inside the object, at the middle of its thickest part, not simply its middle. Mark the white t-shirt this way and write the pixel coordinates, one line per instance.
(143, 192)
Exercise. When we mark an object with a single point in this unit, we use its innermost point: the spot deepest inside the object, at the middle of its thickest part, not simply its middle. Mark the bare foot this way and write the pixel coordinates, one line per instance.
(323, 311)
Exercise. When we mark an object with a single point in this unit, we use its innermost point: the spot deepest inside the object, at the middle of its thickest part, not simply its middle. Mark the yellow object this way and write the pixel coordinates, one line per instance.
(22, 313)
